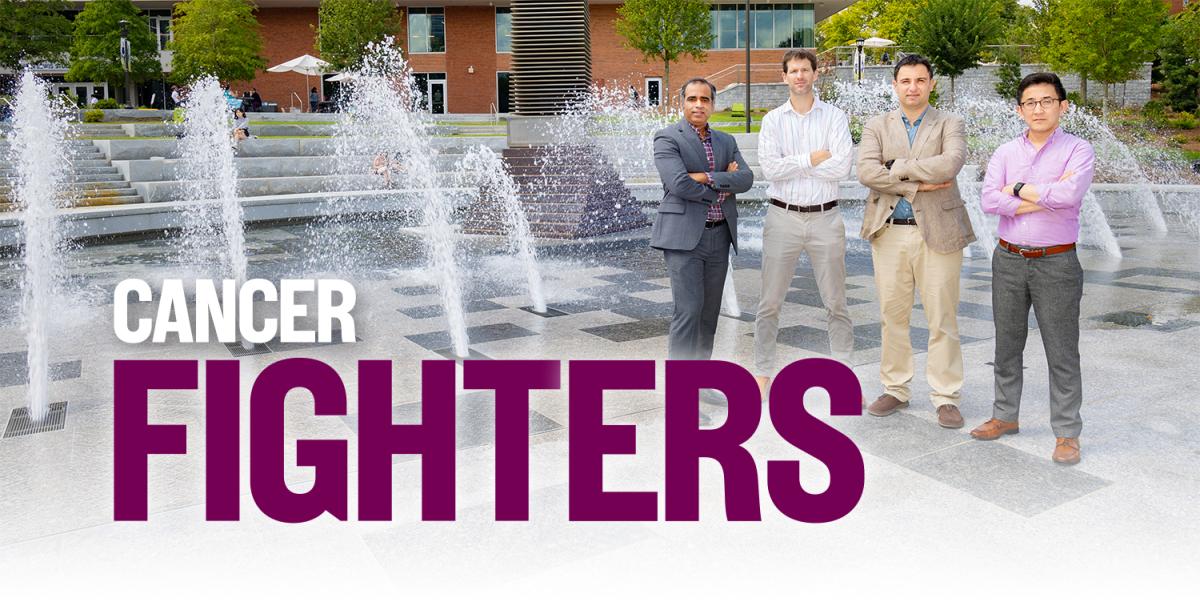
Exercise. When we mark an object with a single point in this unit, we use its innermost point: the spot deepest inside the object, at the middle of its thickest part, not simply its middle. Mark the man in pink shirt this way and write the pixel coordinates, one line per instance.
(1036, 185)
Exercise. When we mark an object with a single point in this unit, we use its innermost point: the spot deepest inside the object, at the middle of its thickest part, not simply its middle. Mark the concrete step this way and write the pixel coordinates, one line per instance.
(94, 170)
(97, 192)
(109, 201)
(92, 178)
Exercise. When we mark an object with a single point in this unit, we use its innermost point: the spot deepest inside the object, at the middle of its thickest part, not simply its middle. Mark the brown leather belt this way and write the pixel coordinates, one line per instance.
(815, 208)
(1033, 252)
(712, 224)
(895, 221)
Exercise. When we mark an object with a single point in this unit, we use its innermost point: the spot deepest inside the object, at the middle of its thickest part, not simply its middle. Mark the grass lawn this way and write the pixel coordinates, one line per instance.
(1191, 155)
(755, 115)
(291, 122)
(473, 123)
(741, 128)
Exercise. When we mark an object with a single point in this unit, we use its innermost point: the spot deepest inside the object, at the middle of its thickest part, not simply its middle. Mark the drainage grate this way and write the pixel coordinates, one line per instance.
(21, 424)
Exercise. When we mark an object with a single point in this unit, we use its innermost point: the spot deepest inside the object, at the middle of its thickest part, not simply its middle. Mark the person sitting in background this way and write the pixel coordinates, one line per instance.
(384, 164)
(241, 126)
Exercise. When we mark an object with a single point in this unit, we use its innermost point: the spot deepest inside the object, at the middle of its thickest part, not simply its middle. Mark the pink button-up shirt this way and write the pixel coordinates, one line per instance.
(1019, 160)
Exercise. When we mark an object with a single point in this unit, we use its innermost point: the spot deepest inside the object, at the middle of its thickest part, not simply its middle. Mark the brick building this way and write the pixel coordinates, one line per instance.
(460, 49)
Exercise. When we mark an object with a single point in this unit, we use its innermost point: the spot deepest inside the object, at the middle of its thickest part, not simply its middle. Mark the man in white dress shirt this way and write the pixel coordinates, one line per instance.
(804, 148)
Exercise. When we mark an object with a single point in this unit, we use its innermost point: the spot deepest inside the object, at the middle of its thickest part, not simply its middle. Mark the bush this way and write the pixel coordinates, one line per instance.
(1008, 76)
(93, 115)
(106, 104)
(1184, 121)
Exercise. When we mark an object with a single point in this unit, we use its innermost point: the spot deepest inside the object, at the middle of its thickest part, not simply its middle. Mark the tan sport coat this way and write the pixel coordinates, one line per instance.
(936, 156)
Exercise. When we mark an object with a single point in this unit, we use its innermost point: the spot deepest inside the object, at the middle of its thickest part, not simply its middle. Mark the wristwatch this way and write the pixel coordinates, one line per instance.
(1017, 189)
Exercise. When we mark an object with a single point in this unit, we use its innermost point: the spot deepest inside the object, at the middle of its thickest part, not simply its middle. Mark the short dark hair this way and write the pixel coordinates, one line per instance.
(1041, 78)
(711, 88)
(911, 60)
(799, 54)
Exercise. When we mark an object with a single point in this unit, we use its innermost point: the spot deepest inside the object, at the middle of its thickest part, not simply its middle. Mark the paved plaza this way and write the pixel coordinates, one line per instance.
(942, 515)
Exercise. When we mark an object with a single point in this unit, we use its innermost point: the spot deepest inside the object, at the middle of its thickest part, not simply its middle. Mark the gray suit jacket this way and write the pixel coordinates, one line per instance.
(677, 152)
(936, 156)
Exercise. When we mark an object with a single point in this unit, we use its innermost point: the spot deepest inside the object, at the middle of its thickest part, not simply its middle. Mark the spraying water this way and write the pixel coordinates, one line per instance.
(383, 121)
(484, 169)
(206, 150)
(39, 153)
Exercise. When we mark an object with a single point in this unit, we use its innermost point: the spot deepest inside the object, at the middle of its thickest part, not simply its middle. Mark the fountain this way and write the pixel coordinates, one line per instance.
(382, 122)
(39, 154)
(483, 169)
(206, 150)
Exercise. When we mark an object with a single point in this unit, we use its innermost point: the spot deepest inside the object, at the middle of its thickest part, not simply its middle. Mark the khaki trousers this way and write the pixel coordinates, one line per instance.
(787, 235)
(904, 265)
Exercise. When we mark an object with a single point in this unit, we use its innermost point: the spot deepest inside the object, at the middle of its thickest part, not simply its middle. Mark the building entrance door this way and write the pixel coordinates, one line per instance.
(654, 91)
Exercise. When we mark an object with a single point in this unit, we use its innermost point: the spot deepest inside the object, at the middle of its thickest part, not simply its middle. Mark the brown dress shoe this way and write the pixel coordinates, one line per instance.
(949, 417)
(1066, 451)
(885, 405)
(994, 428)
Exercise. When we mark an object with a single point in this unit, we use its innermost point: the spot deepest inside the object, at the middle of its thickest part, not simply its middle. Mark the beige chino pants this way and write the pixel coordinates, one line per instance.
(904, 265)
(787, 235)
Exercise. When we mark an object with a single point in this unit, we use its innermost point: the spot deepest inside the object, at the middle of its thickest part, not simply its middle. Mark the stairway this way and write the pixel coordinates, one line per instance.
(93, 179)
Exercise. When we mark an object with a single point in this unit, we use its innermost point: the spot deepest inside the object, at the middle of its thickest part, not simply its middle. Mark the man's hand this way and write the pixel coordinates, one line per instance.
(732, 168)
(1028, 207)
(819, 156)
(933, 186)
(701, 178)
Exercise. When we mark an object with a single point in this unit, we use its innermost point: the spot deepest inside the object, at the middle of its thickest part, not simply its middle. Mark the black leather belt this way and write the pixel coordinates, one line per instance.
(895, 221)
(815, 208)
(712, 224)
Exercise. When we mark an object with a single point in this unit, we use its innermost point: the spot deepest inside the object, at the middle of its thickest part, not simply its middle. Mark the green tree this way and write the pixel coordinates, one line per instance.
(953, 34)
(218, 38)
(1180, 60)
(1104, 40)
(1008, 76)
(665, 30)
(866, 18)
(347, 26)
(96, 48)
(32, 31)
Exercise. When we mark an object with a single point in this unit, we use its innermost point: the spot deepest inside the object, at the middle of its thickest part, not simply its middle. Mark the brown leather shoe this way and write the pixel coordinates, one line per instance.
(885, 405)
(1066, 451)
(994, 428)
(949, 417)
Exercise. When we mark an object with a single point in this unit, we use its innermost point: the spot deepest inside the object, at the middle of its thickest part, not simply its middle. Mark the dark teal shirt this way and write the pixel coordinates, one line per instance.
(903, 208)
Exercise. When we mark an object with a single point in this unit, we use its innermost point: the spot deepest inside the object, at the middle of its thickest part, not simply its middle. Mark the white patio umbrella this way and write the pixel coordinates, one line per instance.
(342, 77)
(874, 42)
(304, 64)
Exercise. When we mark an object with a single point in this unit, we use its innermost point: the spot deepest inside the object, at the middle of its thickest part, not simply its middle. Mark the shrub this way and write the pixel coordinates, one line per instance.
(1184, 121)
(106, 104)
(93, 115)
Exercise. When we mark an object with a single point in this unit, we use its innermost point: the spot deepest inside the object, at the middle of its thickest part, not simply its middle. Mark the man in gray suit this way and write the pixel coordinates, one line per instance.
(697, 218)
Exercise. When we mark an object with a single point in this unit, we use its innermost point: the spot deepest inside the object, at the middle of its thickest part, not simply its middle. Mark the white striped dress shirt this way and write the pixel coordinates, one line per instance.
(785, 142)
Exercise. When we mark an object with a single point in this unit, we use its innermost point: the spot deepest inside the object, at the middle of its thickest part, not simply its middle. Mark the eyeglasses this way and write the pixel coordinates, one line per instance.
(1046, 103)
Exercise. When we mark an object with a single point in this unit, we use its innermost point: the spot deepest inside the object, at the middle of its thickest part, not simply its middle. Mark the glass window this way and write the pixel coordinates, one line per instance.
(426, 29)
(503, 29)
(160, 27)
(774, 25)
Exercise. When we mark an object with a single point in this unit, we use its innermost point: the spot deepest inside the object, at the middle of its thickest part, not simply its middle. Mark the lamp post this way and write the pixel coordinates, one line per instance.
(747, 67)
(126, 58)
(859, 60)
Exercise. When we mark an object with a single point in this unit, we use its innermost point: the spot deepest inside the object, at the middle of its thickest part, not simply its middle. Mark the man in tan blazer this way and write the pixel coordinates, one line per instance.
(917, 226)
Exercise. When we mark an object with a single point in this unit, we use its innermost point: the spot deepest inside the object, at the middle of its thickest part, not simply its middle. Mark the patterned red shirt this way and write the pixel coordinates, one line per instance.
(714, 208)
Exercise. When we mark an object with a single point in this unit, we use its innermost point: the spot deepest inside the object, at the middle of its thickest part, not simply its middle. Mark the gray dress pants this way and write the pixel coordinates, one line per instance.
(1053, 286)
(697, 283)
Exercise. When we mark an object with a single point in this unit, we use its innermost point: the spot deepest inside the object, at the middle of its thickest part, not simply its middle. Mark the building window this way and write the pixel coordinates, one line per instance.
(160, 26)
(780, 25)
(426, 29)
(503, 29)
(502, 82)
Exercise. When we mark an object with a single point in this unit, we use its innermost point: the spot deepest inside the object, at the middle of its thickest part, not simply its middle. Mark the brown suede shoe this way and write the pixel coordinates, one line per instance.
(885, 405)
(949, 417)
(994, 428)
(1066, 451)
